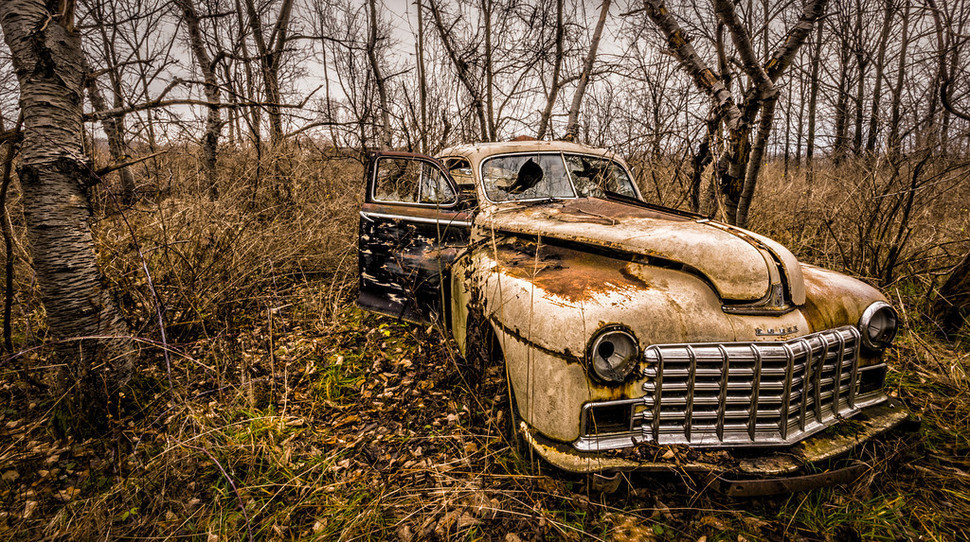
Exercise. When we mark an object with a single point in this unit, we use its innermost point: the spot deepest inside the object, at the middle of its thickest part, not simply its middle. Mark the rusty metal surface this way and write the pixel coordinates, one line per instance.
(737, 270)
(405, 256)
(476, 152)
(791, 484)
(545, 303)
(547, 276)
(571, 274)
(833, 297)
(792, 275)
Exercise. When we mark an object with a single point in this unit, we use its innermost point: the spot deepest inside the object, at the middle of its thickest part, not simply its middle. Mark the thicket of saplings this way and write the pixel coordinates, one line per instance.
(258, 286)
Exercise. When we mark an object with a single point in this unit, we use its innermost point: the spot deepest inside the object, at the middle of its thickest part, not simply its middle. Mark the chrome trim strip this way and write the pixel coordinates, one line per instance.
(803, 388)
(689, 422)
(789, 374)
(722, 398)
(658, 396)
(755, 392)
(370, 216)
(837, 388)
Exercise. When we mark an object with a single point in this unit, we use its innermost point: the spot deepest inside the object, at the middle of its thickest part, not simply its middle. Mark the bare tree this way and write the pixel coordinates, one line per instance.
(114, 130)
(270, 51)
(379, 79)
(422, 79)
(48, 59)
(462, 65)
(556, 82)
(740, 162)
(897, 93)
(889, 10)
(952, 306)
(572, 124)
(207, 65)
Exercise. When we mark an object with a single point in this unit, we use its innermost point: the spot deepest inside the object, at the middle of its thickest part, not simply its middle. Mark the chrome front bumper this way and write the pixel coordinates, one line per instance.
(868, 423)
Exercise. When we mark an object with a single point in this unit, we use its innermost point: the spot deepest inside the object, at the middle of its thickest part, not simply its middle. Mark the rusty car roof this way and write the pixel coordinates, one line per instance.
(475, 152)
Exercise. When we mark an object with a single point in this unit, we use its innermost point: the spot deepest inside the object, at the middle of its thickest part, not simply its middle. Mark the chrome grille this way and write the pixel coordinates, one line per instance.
(736, 394)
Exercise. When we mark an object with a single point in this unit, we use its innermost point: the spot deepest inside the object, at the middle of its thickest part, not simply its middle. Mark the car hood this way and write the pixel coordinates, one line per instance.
(740, 265)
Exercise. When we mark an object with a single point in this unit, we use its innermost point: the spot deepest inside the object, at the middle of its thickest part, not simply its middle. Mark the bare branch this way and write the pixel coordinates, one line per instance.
(119, 165)
(702, 76)
(944, 46)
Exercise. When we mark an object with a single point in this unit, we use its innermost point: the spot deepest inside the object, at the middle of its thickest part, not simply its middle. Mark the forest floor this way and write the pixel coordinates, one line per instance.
(358, 427)
(288, 414)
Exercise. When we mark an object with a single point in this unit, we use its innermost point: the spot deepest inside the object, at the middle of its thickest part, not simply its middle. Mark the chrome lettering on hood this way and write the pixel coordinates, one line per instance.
(776, 332)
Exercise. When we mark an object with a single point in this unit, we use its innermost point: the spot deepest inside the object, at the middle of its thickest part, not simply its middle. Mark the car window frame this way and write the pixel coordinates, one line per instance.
(372, 184)
(561, 153)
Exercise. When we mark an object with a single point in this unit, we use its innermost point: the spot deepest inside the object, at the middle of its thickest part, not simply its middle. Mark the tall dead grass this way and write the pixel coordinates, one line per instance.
(295, 416)
(276, 224)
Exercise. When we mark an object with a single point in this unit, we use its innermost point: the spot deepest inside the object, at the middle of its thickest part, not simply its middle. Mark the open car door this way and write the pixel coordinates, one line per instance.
(412, 227)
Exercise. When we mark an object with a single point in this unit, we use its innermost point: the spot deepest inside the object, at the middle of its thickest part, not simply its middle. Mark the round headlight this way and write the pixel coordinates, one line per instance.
(878, 325)
(613, 354)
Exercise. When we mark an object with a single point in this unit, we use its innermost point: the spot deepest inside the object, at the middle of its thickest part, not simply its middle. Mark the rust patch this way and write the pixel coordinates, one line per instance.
(570, 274)
(833, 299)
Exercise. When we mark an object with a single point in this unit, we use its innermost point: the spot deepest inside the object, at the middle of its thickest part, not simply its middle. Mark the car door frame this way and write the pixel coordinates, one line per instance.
(405, 249)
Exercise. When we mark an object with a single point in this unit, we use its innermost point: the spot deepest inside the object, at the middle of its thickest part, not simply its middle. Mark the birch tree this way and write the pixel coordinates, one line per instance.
(572, 124)
(740, 161)
(54, 176)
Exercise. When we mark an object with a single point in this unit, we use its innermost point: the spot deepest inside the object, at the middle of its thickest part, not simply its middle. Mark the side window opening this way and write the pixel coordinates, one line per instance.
(594, 176)
(406, 180)
(460, 170)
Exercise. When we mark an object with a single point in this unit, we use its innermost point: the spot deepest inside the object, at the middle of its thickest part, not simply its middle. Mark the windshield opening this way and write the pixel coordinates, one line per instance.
(553, 176)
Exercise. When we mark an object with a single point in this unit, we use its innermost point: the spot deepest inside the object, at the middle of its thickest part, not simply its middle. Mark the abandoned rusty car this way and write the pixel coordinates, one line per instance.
(630, 332)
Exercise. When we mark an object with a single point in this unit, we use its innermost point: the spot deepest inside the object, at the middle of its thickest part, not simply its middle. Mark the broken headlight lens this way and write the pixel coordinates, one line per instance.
(878, 325)
(613, 354)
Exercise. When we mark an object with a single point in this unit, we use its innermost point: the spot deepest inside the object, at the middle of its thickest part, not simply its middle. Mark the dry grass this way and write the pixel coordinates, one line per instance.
(295, 416)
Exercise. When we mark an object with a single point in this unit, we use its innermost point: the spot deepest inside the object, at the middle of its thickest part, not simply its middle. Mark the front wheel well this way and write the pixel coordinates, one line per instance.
(482, 348)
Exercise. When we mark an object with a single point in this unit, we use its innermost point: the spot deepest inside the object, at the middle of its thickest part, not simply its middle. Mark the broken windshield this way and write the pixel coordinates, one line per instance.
(553, 176)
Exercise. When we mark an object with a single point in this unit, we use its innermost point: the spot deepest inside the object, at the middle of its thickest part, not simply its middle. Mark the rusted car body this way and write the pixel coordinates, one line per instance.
(634, 336)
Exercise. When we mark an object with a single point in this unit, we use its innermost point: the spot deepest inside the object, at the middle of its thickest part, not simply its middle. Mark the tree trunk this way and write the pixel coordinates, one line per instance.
(736, 173)
(422, 80)
(572, 125)
(842, 108)
(375, 66)
(954, 65)
(213, 124)
(800, 125)
(895, 115)
(489, 75)
(880, 70)
(813, 108)
(756, 158)
(556, 71)
(862, 63)
(270, 54)
(952, 306)
(114, 130)
(462, 69)
(47, 56)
